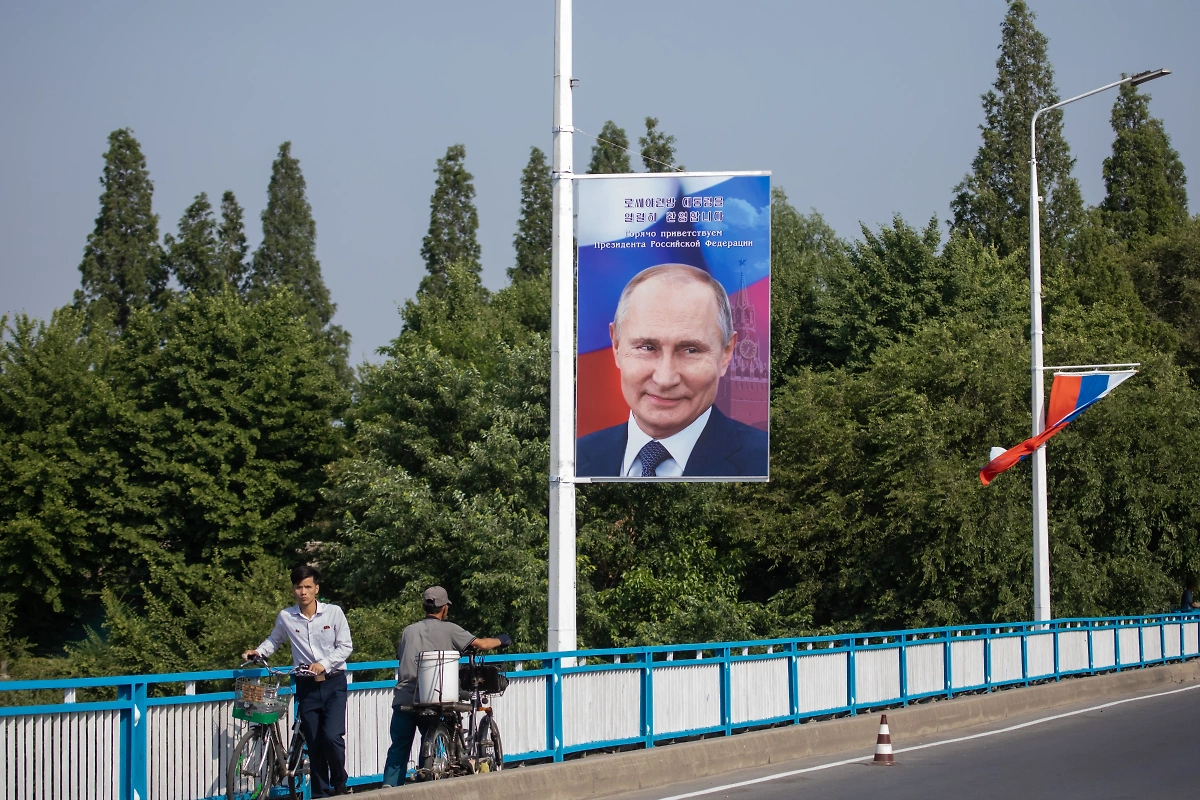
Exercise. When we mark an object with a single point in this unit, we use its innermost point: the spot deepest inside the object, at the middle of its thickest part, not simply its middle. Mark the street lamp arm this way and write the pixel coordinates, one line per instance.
(1136, 79)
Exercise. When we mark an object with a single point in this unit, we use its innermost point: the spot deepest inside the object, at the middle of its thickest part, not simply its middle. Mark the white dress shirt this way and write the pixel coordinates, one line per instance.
(324, 639)
(680, 447)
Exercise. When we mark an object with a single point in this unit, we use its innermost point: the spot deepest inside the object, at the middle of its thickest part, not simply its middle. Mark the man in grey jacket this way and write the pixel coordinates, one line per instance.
(432, 633)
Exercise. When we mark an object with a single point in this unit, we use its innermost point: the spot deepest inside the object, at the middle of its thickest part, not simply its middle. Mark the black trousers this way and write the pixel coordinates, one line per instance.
(321, 706)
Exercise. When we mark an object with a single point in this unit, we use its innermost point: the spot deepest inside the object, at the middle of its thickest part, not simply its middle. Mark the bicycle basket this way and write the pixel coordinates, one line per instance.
(257, 700)
(488, 679)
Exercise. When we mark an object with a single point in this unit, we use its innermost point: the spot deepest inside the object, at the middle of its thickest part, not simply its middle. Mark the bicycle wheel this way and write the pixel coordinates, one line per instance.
(298, 766)
(488, 746)
(251, 770)
(437, 749)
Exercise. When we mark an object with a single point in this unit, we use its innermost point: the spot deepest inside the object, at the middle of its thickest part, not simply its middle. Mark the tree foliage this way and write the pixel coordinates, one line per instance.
(163, 465)
(992, 201)
(658, 149)
(231, 245)
(122, 264)
(453, 221)
(287, 257)
(1144, 179)
(610, 153)
(193, 256)
(532, 239)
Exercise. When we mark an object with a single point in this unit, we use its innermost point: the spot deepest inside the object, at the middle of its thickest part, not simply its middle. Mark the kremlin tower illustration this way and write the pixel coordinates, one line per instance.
(744, 390)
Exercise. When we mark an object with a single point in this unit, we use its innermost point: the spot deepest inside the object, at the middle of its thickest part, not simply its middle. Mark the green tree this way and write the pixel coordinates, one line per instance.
(193, 256)
(1144, 177)
(610, 153)
(806, 255)
(658, 149)
(1166, 272)
(532, 239)
(231, 244)
(992, 201)
(234, 407)
(62, 474)
(453, 221)
(287, 257)
(447, 483)
(122, 264)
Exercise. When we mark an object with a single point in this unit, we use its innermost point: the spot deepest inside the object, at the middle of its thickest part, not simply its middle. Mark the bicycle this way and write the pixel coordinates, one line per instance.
(260, 767)
(447, 749)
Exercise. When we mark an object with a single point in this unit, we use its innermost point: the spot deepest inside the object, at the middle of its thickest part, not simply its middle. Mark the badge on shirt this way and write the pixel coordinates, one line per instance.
(326, 627)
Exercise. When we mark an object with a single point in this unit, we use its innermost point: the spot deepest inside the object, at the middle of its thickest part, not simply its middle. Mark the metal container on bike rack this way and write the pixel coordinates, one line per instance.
(437, 676)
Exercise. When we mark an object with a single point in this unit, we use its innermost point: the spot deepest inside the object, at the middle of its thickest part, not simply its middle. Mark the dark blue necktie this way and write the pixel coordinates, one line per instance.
(651, 455)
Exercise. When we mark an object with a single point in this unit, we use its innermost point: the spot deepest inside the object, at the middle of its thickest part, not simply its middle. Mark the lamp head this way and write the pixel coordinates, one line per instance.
(1139, 78)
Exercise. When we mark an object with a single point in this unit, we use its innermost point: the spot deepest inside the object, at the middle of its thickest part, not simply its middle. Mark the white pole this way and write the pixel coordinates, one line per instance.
(1041, 538)
(562, 350)
(1041, 522)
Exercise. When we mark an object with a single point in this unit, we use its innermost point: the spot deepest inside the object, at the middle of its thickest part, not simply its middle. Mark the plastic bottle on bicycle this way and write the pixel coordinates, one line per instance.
(261, 765)
(434, 634)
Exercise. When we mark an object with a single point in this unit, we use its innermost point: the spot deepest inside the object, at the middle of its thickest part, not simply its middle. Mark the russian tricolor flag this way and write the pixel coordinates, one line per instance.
(1070, 395)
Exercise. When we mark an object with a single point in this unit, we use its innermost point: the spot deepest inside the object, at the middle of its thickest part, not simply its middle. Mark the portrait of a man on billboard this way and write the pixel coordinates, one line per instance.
(681, 374)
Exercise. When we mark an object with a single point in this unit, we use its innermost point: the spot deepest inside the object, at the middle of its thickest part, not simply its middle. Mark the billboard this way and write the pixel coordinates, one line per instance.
(674, 327)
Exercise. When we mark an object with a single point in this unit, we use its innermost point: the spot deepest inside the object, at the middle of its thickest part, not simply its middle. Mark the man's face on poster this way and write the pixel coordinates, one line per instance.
(670, 352)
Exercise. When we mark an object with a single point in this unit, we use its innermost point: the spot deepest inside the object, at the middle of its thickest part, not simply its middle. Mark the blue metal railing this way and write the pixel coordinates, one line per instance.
(870, 670)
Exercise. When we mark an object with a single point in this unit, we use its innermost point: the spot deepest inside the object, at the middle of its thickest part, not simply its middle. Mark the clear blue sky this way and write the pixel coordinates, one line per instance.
(862, 109)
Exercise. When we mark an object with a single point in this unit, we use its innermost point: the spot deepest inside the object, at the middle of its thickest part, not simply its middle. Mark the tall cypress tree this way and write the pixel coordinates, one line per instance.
(992, 202)
(610, 153)
(532, 240)
(658, 149)
(231, 243)
(193, 256)
(1144, 177)
(288, 257)
(122, 264)
(453, 220)
(288, 253)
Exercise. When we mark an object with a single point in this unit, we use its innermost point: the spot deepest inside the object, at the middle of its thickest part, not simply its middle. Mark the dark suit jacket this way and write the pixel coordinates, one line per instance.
(725, 448)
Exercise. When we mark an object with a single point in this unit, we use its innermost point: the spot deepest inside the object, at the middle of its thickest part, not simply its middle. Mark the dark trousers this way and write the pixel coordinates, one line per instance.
(404, 728)
(321, 706)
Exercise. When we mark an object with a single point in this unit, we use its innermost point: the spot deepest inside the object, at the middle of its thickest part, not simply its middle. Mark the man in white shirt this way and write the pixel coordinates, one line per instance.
(321, 642)
(673, 338)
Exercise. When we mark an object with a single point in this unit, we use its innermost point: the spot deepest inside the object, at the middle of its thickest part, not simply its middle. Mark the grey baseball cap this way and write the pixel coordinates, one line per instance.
(436, 596)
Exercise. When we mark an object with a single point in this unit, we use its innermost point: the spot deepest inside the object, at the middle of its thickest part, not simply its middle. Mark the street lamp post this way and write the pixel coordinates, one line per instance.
(1041, 540)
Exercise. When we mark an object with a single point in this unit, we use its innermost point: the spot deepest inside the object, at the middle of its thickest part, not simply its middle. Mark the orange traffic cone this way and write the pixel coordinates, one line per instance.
(883, 746)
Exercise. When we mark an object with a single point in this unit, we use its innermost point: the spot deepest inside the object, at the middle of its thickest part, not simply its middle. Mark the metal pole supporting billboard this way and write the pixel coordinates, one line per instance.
(561, 633)
(1041, 538)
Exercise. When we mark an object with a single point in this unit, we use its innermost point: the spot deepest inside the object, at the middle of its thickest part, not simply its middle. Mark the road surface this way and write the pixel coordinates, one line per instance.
(1132, 746)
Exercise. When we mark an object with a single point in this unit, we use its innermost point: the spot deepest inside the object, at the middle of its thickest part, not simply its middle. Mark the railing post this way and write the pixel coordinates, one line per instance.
(1091, 656)
(948, 662)
(851, 684)
(1054, 632)
(794, 680)
(1117, 643)
(1162, 639)
(904, 669)
(647, 693)
(726, 691)
(1141, 626)
(1025, 654)
(133, 742)
(987, 658)
(555, 710)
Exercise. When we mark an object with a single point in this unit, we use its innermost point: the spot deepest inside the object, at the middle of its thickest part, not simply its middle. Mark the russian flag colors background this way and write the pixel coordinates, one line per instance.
(1070, 395)
(720, 223)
